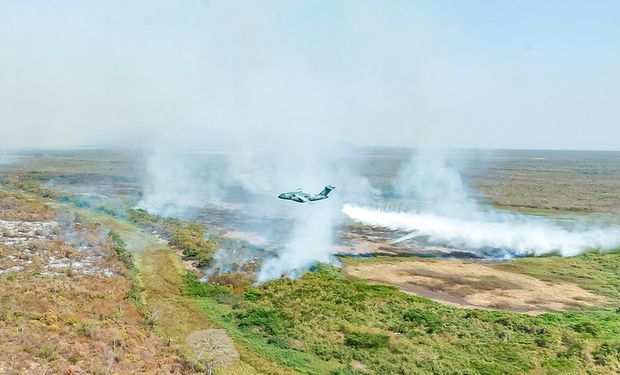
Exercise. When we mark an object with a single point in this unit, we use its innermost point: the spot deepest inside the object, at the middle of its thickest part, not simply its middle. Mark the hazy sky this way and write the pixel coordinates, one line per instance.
(491, 74)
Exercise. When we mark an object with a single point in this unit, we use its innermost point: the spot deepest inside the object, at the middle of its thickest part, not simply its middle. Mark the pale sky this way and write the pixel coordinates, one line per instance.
(480, 74)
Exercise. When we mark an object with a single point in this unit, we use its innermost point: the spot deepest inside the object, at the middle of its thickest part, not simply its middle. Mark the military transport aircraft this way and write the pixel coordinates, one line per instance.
(301, 197)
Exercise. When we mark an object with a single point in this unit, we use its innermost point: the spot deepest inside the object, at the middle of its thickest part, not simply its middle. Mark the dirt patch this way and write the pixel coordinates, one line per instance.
(467, 284)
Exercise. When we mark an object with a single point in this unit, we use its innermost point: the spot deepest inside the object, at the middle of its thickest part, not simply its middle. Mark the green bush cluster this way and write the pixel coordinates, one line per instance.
(425, 318)
(366, 340)
(325, 321)
(134, 293)
(121, 251)
(272, 321)
(194, 287)
(189, 238)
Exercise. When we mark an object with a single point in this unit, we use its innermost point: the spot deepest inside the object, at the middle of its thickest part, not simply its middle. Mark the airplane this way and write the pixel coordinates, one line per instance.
(301, 197)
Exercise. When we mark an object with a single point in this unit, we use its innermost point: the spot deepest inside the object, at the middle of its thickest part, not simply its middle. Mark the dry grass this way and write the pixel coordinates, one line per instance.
(18, 207)
(161, 274)
(63, 305)
(467, 284)
(78, 324)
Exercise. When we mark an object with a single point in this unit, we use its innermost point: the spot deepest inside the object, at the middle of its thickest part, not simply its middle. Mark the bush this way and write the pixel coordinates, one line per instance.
(424, 318)
(605, 353)
(273, 322)
(586, 327)
(253, 294)
(236, 281)
(366, 340)
(121, 252)
(574, 347)
(189, 238)
(194, 287)
(140, 216)
(116, 238)
(48, 353)
(542, 341)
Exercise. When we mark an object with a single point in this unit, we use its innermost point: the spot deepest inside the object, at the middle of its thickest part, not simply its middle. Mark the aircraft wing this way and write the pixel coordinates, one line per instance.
(302, 198)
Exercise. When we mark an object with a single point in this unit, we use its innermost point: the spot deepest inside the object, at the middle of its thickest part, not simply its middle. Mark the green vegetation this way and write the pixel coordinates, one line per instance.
(189, 238)
(326, 322)
(48, 353)
(322, 323)
(120, 248)
(366, 340)
(30, 182)
(135, 292)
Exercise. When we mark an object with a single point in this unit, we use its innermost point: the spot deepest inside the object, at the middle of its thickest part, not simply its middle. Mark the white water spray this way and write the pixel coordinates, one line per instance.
(447, 215)
(515, 235)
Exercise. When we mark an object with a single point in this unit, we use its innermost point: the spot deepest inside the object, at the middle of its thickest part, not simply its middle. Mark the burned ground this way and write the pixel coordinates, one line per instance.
(63, 298)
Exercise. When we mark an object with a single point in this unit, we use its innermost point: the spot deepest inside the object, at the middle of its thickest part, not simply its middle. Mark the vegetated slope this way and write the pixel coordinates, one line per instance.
(326, 322)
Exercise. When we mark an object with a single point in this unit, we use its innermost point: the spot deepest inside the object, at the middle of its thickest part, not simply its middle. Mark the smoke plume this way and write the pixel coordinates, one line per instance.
(511, 235)
(248, 181)
(447, 214)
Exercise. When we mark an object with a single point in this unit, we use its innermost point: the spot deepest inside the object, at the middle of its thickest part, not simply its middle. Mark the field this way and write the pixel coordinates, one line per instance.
(72, 242)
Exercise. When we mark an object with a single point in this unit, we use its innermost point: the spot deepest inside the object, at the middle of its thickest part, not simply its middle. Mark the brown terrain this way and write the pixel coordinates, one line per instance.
(476, 285)
(63, 300)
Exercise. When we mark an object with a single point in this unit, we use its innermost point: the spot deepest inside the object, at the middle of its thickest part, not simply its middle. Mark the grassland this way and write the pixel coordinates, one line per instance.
(326, 322)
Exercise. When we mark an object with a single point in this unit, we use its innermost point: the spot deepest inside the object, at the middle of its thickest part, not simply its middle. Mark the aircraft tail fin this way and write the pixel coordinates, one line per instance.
(327, 190)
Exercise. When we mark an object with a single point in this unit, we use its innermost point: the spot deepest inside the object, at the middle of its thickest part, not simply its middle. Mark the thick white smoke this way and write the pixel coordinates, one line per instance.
(446, 214)
(515, 235)
(310, 242)
(175, 182)
(435, 184)
(250, 180)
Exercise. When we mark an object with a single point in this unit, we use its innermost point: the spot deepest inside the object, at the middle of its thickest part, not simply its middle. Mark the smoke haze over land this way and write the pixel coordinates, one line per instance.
(180, 182)
(447, 214)
(284, 89)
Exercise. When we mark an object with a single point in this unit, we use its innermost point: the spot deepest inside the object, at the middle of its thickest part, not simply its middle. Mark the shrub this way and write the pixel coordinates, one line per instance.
(194, 287)
(116, 238)
(586, 327)
(84, 330)
(366, 340)
(253, 294)
(273, 322)
(121, 251)
(605, 354)
(48, 353)
(237, 281)
(574, 348)
(424, 318)
(542, 340)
